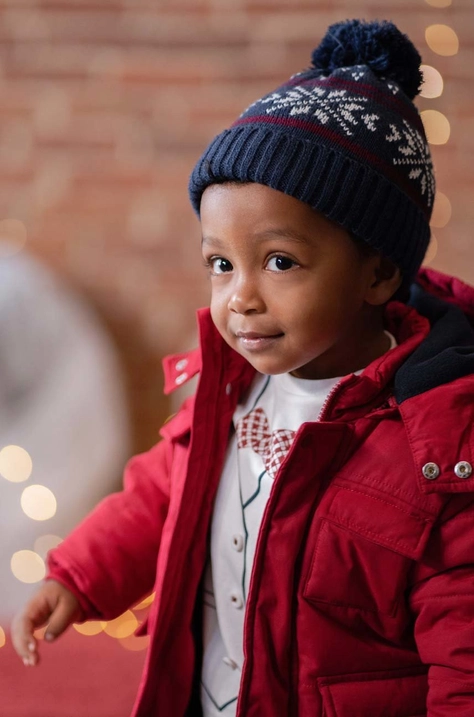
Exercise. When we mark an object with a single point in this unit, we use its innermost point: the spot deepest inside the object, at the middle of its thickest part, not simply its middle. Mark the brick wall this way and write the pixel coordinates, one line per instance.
(105, 106)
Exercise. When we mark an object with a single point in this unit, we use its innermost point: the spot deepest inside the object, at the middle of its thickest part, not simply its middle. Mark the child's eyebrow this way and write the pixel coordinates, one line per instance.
(278, 233)
(289, 234)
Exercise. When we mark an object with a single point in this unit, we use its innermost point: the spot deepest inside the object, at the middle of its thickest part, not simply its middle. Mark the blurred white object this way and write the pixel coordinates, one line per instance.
(62, 402)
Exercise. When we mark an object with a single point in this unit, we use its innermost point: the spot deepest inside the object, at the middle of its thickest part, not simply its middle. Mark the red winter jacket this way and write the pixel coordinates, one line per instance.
(361, 601)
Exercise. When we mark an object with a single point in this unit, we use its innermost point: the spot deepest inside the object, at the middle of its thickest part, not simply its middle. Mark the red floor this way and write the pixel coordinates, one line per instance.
(78, 677)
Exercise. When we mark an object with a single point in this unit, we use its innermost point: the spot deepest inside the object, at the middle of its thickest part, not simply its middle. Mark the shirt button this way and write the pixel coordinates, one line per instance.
(430, 471)
(229, 661)
(236, 600)
(228, 389)
(181, 364)
(238, 542)
(463, 469)
(181, 378)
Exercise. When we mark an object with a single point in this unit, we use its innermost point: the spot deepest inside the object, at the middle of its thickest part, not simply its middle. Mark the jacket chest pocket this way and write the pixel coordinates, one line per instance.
(363, 549)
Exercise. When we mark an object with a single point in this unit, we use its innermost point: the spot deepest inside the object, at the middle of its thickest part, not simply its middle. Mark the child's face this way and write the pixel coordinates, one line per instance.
(289, 287)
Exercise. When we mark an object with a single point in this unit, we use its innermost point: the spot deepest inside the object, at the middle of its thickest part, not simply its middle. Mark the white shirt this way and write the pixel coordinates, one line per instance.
(265, 425)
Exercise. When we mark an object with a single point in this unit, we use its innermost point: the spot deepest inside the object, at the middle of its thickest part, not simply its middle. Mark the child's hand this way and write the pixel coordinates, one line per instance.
(53, 604)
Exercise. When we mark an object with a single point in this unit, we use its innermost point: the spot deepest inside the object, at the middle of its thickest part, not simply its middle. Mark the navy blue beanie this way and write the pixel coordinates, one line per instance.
(343, 136)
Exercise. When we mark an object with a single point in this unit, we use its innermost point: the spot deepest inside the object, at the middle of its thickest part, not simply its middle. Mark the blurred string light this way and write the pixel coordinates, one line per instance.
(436, 126)
(432, 250)
(122, 626)
(441, 211)
(442, 39)
(145, 603)
(27, 566)
(38, 502)
(433, 84)
(135, 644)
(439, 3)
(2, 637)
(93, 627)
(45, 543)
(13, 235)
(116, 629)
(15, 464)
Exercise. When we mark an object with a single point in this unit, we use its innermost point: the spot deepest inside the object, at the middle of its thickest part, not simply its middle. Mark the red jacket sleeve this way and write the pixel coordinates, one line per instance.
(109, 560)
(442, 600)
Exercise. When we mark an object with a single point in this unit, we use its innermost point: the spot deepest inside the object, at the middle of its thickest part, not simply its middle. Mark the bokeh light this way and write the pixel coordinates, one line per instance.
(432, 82)
(122, 626)
(439, 3)
(135, 644)
(442, 211)
(436, 126)
(15, 464)
(93, 627)
(45, 543)
(27, 566)
(432, 250)
(442, 39)
(38, 502)
(3, 639)
(13, 235)
(145, 603)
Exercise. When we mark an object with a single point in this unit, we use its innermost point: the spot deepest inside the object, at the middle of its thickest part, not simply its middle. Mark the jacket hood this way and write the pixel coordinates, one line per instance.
(447, 353)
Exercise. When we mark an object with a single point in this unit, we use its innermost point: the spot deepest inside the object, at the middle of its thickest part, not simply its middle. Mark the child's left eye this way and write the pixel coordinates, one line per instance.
(280, 263)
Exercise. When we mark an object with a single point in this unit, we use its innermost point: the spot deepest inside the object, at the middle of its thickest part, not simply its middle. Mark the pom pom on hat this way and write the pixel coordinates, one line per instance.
(379, 45)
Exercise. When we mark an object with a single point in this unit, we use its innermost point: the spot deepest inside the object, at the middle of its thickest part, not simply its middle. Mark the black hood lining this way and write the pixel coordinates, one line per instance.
(445, 355)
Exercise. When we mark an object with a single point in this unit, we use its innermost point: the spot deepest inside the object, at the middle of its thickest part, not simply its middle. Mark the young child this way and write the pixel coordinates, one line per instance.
(307, 519)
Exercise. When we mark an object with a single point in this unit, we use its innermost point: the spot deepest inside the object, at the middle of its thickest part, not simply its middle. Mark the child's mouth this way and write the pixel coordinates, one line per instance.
(252, 341)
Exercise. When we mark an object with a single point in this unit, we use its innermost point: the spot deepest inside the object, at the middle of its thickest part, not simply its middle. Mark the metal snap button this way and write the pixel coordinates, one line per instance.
(181, 364)
(430, 471)
(463, 469)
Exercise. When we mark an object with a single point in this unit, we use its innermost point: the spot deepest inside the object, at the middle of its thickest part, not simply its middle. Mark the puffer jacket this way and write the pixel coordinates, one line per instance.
(361, 602)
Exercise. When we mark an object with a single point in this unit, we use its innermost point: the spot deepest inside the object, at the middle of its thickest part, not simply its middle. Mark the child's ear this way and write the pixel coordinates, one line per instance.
(386, 279)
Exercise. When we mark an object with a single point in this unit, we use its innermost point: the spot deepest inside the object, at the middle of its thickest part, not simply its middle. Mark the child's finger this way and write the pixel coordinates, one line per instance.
(23, 639)
(64, 614)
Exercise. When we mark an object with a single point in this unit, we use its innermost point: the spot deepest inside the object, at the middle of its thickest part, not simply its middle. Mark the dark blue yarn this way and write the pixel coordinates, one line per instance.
(379, 45)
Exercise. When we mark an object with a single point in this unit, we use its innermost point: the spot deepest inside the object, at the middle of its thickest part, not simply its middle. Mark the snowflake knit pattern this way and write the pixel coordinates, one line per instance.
(339, 108)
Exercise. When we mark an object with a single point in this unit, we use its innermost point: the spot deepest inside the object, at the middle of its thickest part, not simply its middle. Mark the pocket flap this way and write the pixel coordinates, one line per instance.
(376, 518)
(384, 694)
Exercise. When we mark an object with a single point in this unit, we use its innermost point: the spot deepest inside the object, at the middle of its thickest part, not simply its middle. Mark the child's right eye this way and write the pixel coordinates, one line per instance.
(218, 265)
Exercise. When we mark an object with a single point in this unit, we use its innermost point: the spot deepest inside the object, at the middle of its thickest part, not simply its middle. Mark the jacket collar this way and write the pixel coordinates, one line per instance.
(409, 328)
(430, 373)
(180, 368)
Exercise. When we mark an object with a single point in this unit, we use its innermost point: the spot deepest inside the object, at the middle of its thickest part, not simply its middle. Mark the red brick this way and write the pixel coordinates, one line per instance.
(107, 104)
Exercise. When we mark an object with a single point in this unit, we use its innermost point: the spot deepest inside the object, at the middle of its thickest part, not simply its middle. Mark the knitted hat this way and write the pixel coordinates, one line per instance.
(343, 136)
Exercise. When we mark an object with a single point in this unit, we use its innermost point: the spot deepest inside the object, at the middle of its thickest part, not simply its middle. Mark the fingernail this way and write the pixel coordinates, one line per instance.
(26, 661)
(31, 646)
(49, 637)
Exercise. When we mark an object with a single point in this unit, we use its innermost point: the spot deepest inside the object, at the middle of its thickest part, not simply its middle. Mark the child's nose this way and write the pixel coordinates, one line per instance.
(245, 298)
